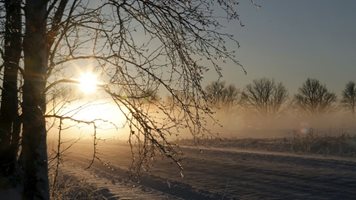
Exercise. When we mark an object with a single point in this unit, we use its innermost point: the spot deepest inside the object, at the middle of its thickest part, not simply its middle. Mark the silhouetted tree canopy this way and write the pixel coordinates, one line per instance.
(264, 96)
(348, 100)
(221, 95)
(314, 97)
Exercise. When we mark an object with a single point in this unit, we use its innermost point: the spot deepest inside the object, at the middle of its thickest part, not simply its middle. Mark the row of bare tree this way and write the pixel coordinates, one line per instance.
(267, 97)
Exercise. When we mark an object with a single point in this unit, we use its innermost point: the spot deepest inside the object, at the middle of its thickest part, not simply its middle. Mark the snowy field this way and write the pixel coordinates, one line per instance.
(215, 173)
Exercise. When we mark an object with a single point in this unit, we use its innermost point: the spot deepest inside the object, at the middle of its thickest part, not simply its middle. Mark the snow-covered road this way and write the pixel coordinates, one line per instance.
(219, 174)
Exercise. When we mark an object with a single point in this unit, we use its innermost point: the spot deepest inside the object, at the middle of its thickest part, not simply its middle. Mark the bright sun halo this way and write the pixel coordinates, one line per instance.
(88, 83)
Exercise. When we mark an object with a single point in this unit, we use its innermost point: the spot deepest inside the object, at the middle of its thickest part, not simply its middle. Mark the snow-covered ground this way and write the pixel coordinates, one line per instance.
(216, 173)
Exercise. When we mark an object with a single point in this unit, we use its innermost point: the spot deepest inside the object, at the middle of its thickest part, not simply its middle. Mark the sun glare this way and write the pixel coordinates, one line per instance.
(88, 83)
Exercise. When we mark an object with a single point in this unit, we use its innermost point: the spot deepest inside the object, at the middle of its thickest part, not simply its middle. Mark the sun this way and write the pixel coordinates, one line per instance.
(88, 83)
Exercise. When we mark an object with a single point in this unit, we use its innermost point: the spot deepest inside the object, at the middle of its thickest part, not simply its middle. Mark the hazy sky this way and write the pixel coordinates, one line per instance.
(291, 40)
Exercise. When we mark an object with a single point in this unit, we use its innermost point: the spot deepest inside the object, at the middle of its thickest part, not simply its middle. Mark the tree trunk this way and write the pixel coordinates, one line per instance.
(9, 121)
(34, 148)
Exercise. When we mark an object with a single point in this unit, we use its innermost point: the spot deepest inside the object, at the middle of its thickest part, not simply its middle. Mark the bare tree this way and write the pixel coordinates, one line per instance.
(221, 95)
(9, 114)
(348, 100)
(314, 98)
(34, 146)
(230, 95)
(264, 96)
(132, 45)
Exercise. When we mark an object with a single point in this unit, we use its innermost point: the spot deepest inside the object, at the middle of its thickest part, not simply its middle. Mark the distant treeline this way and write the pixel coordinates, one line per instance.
(266, 97)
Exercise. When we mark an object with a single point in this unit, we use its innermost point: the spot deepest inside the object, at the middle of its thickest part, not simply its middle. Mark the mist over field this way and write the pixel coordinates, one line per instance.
(243, 124)
(226, 123)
